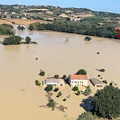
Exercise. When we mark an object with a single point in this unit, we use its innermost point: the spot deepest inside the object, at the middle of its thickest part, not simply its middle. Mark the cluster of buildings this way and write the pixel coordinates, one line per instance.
(73, 80)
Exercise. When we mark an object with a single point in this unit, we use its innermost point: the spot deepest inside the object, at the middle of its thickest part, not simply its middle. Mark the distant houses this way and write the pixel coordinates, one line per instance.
(78, 80)
(53, 81)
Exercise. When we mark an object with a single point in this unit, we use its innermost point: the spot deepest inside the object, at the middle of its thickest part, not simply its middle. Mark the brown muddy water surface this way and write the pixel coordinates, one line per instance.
(20, 98)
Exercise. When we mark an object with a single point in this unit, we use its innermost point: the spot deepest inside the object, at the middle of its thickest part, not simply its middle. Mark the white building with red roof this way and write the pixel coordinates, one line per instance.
(78, 80)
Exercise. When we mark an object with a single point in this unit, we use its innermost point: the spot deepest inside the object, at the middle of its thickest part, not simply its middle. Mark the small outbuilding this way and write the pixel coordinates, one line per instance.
(53, 81)
(96, 82)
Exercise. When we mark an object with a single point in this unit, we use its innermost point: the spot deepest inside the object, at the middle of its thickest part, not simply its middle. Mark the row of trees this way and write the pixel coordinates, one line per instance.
(80, 27)
(15, 40)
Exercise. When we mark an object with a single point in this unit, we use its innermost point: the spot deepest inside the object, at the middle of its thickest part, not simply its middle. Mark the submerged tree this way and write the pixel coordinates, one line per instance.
(51, 104)
(28, 40)
(12, 40)
(87, 91)
(81, 72)
(49, 88)
(87, 38)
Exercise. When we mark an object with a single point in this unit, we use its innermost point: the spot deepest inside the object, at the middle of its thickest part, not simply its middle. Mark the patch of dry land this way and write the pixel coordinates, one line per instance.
(21, 99)
(21, 21)
(83, 15)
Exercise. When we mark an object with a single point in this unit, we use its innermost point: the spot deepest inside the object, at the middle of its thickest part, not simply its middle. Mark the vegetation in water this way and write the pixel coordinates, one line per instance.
(37, 83)
(75, 88)
(59, 94)
(87, 91)
(49, 88)
(81, 72)
(51, 104)
(42, 73)
(12, 40)
(6, 29)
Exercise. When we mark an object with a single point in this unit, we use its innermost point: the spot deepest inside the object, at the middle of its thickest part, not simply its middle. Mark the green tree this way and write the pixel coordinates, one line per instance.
(42, 73)
(49, 88)
(56, 76)
(20, 28)
(28, 40)
(102, 70)
(107, 102)
(37, 83)
(81, 72)
(12, 40)
(87, 38)
(59, 94)
(64, 77)
(75, 88)
(51, 104)
(31, 27)
(87, 91)
(78, 92)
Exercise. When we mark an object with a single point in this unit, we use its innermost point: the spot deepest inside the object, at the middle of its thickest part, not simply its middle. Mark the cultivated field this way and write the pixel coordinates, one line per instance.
(22, 21)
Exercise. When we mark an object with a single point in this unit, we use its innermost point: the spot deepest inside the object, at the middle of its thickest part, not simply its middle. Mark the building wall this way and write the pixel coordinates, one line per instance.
(77, 82)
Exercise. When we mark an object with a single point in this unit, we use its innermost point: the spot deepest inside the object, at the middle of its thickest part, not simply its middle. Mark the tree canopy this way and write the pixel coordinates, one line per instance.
(107, 102)
(12, 40)
(6, 29)
(81, 72)
(28, 40)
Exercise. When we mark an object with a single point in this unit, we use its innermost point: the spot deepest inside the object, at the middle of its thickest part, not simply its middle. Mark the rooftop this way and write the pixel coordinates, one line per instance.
(84, 77)
(96, 81)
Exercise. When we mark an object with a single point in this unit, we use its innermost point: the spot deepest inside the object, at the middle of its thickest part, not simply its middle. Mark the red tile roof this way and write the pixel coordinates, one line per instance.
(83, 77)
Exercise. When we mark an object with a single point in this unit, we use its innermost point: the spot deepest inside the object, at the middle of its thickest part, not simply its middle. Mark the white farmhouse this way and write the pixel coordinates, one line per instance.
(78, 80)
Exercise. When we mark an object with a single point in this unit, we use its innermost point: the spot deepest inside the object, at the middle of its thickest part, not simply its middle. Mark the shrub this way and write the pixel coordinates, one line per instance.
(102, 70)
(49, 88)
(78, 92)
(27, 39)
(87, 38)
(56, 89)
(98, 53)
(111, 84)
(42, 73)
(51, 104)
(20, 28)
(56, 76)
(81, 72)
(59, 94)
(98, 75)
(87, 91)
(31, 27)
(75, 88)
(64, 99)
(104, 81)
(64, 77)
(37, 83)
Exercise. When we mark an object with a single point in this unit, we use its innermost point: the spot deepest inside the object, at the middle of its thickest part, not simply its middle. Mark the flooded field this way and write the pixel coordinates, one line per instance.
(57, 53)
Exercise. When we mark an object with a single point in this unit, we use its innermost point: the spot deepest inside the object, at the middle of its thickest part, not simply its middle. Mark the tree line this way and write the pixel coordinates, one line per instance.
(85, 27)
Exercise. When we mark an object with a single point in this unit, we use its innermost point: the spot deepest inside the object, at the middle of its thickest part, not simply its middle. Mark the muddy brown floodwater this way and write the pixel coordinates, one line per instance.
(57, 53)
